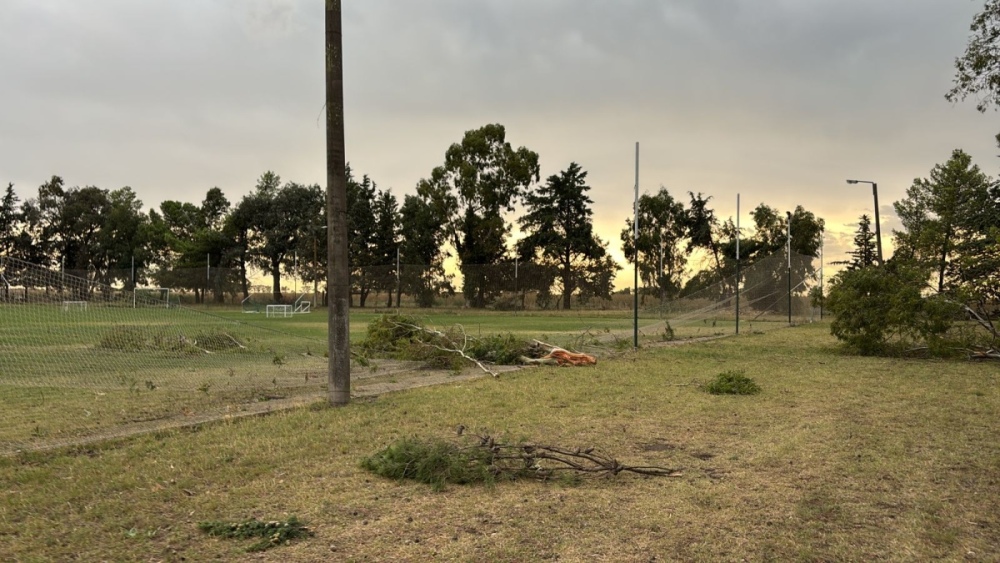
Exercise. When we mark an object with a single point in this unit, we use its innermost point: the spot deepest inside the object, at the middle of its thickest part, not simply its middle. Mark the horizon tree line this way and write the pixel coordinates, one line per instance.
(465, 206)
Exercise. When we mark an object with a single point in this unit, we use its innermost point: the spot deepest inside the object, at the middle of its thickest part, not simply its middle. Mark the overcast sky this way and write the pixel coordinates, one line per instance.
(778, 100)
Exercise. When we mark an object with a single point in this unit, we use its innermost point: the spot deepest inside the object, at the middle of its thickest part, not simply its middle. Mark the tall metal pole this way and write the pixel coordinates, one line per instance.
(635, 245)
(822, 242)
(399, 285)
(339, 371)
(878, 228)
(737, 263)
(788, 249)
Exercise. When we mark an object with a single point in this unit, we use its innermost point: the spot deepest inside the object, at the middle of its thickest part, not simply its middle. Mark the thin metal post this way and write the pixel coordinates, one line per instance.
(635, 245)
(737, 263)
(788, 249)
(822, 242)
(398, 283)
(878, 228)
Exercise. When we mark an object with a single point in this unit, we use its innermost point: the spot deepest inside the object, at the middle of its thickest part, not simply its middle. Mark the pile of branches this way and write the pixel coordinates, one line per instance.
(483, 459)
(404, 337)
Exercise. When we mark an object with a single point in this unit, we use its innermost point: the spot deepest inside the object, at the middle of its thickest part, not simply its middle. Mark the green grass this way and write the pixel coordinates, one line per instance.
(66, 375)
(838, 458)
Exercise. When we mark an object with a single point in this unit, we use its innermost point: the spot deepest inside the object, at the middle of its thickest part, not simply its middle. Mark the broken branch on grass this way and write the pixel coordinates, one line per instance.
(526, 460)
(458, 351)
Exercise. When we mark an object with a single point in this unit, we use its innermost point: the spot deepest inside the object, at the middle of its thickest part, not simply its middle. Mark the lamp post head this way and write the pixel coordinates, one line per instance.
(852, 181)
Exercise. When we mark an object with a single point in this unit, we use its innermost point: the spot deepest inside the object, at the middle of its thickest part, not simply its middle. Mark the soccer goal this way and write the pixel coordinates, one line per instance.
(151, 297)
(279, 311)
(70, 306)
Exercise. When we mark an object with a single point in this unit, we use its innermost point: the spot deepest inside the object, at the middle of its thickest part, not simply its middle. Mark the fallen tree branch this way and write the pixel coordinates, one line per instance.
(459, 351)
(988, 354)
(536, 461)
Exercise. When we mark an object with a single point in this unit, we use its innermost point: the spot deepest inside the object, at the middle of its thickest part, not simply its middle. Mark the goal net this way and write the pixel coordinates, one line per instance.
(81, 359)
(772, 292)
(279, 311)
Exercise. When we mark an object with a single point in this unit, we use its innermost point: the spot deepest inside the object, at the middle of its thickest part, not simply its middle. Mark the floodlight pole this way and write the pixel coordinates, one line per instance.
(822, 242)
(878, 227)
(635, 246)
(737, 263)
(788, 249)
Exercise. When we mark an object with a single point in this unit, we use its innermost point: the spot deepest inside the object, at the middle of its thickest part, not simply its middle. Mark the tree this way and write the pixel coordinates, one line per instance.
(361, 225)
(882, 310)
(339, 376)
(277, 218)
(701, 225)
(662, 255)
(422, 233)
(977, 71)
(560, 231)
(768, 285)
(386, 242)
(948, 216)
(482, 177)
(121, 244)
(8, 221)
(864, 253)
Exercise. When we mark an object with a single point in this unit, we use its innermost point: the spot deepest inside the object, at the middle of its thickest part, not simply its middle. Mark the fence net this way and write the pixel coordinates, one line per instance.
(80, 358)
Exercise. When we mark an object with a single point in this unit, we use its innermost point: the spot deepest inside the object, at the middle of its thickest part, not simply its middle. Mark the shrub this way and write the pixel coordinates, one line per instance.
(732, 383)
(882, 310)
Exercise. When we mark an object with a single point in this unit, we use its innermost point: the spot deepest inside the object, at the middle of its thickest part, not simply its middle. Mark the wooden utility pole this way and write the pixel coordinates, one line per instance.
(338, 277)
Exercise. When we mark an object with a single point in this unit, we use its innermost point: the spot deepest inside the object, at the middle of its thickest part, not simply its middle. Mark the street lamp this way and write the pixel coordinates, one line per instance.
(878, 229)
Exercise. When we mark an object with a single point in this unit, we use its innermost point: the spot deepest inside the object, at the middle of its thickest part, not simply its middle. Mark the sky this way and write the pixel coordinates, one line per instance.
(779, 101)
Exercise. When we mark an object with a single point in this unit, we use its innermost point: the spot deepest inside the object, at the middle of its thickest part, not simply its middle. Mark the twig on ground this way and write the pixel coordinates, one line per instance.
(236, 342)
(524, 459)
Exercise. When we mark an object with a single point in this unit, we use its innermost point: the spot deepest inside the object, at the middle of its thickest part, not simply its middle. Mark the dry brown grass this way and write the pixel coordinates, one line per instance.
(839, 458)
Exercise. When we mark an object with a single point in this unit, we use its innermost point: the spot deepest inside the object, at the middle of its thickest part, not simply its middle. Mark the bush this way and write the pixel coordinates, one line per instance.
(882, 310)
(732, 383)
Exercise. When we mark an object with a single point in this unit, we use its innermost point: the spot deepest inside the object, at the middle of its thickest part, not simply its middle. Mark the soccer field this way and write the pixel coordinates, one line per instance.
(70, 372)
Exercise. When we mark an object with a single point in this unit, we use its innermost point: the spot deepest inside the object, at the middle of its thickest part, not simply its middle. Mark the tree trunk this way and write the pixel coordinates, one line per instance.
(276, 280)
(568, 286)
(339, 374)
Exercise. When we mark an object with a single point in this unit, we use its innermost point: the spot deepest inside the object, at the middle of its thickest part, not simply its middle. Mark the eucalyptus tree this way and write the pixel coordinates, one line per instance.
(661, 247)
(482, 178)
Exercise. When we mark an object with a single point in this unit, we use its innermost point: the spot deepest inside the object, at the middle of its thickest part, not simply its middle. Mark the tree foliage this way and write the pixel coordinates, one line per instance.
(883, 310)
(947, 221)
(977, 71)
(659, 247)
(560, 232)
(482, 178)
(864, 254)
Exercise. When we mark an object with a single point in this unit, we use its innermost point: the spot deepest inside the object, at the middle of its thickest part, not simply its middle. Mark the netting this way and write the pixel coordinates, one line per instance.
(80, 358)
(774, 291)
